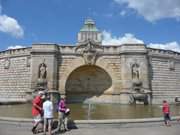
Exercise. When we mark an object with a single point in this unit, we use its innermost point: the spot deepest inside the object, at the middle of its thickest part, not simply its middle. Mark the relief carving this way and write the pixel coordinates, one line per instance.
(89, 50)
(89, 57)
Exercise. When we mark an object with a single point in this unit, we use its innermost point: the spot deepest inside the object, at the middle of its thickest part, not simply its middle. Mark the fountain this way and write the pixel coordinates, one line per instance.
(94, 111)
(90, 110)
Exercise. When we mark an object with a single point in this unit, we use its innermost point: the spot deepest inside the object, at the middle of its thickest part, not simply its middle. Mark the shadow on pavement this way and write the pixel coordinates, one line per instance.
(56, 130)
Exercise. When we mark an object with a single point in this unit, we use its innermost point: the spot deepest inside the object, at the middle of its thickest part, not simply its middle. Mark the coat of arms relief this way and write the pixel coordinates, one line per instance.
(89, 50)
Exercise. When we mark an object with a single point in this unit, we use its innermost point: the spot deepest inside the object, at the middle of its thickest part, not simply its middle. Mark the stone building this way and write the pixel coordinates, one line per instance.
(91, 72)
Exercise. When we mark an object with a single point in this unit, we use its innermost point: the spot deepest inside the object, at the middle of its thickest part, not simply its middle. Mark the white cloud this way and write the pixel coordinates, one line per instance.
(174, 46)
(10, 25)
(153, 10)
(128, 38)
(15, 47)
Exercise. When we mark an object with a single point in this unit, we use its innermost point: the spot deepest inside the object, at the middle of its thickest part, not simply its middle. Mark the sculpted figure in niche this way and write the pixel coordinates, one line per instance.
(135, 71)
(7, 63)
(42, 71)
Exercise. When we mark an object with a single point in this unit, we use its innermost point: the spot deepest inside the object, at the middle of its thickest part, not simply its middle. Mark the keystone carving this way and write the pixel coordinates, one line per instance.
(89, 51)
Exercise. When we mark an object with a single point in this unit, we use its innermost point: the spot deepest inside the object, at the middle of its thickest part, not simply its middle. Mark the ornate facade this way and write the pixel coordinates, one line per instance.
(91, 72)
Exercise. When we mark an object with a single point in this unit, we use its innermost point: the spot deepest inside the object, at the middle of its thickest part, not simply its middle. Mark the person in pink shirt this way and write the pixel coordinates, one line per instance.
(63, 119)
(166, 112)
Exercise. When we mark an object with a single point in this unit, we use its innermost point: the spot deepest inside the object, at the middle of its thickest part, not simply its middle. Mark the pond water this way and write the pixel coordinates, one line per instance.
(95, 111)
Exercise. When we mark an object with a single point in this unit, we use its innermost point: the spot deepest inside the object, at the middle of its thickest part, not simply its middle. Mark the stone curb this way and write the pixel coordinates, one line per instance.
(109, 121)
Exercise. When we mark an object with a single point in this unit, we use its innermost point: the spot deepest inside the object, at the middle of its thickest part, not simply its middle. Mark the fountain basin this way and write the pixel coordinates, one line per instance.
(94, 111)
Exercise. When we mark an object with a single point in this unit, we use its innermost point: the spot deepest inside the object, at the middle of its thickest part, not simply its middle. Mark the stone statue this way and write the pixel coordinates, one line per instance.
(138, 94)
(140, 97)
(42, 75)
(136, 82)
(42, 71)
(135, 71)
(6, 63)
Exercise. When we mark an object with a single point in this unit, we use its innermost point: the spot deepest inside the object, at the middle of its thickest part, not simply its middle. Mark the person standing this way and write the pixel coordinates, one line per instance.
(48, 114)
(63, 119)
(166, 112)
(37, 110)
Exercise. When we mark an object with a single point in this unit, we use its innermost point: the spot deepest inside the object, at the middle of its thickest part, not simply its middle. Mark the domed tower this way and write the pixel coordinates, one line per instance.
(89, 32)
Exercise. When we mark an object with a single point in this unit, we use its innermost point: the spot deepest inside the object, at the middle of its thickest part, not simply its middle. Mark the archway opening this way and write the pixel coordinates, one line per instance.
(87, 82)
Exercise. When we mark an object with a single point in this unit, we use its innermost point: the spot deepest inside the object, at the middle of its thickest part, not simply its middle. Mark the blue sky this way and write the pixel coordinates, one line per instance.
(153, 22)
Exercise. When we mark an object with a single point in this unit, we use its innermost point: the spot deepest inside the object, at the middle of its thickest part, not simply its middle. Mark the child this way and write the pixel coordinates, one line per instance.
(166, 112)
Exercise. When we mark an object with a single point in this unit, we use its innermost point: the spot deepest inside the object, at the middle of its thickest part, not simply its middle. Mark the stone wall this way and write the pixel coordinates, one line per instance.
(164, 74)
(112, 65)
(159, 71)
(15, 75)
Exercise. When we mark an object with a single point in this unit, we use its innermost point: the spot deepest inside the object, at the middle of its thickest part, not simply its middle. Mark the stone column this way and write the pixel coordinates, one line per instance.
(47, 54)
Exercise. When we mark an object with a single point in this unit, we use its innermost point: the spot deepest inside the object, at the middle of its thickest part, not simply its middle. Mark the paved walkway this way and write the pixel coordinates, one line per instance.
(7, 128)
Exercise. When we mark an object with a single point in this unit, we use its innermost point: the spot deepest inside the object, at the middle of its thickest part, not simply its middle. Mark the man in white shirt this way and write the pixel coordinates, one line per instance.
(48, 114)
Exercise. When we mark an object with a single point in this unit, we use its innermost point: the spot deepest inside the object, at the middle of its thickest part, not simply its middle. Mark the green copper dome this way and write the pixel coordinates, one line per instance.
(89, 31)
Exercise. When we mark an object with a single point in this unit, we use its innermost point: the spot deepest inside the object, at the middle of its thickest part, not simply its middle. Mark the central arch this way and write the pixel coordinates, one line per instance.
(85, 82)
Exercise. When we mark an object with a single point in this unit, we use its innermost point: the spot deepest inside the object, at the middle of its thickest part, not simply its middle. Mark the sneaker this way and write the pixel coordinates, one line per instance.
(33, 130)
(66, 129)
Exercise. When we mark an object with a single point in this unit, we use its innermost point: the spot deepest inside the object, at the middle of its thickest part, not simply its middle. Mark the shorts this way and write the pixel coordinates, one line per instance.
(37, 118)
(61, 115)
(166, 116)
(48, 121)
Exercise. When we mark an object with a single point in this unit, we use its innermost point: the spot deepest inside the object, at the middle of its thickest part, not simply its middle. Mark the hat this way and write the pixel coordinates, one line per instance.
(63, 96)
(40, 92)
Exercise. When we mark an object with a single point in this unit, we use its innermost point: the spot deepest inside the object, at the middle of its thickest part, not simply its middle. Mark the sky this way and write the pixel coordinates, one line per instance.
(155, 23)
